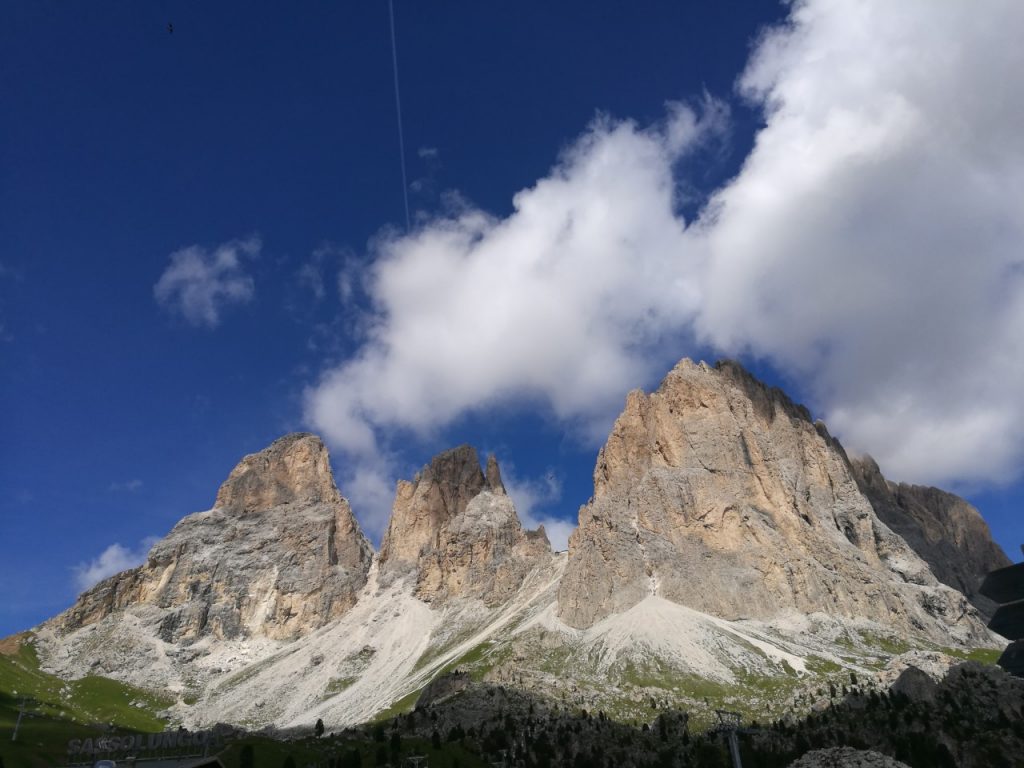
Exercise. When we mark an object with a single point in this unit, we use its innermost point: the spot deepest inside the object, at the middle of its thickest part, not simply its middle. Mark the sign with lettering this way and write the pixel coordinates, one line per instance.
(143, 742)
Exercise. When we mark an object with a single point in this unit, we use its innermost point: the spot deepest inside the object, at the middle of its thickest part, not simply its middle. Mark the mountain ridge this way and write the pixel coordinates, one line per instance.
(272, 607)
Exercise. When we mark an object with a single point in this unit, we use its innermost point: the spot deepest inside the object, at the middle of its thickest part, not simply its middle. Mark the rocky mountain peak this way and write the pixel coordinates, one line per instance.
(293, 469)
(702, 394)
(719, 493)
(438, 493)
(456, 530)
(279, 554)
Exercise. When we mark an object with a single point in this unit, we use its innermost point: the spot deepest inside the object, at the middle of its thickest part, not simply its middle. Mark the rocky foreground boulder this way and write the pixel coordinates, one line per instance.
(719, 493)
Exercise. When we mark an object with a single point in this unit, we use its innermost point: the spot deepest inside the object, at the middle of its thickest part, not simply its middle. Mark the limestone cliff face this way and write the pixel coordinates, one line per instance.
(719, 493)
(943, 529)
(457, 532)
(279, 554)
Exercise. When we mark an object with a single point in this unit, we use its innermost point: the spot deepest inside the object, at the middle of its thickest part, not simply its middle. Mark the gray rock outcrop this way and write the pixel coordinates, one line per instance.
(280, 554)
(916, 685)
(719, 493)
(943, 529)
(456, 530)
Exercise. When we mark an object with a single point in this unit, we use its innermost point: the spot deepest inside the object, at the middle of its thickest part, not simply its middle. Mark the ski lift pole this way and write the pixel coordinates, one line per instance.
(21, 714)
(729, 724)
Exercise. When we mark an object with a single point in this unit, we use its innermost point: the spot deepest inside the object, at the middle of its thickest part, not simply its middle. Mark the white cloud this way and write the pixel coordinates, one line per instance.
(872, 244)
(111, 560)
(870, 248)
(370, 485)
(559, 303)
(198, 284)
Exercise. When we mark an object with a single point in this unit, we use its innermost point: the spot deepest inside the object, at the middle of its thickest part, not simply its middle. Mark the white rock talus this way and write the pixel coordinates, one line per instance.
(280, 554)
(719, 493)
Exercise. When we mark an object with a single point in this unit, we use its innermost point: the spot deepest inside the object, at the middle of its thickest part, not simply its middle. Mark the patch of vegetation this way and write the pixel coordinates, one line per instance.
(363, 656)
(982, 655)
(91, 699)
(405, 704)
(433, 654)
(338, 684)
(886, 644)
(556, 659)
(820, 667)
(478, 660)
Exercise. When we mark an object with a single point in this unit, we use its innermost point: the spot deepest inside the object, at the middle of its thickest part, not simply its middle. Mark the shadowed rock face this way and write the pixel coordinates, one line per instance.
(457, 531)
(280, 554)
(943, 529)
(719, 493)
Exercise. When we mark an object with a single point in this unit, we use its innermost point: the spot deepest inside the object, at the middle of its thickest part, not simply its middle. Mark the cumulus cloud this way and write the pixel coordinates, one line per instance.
(198, 284)
(559, 303)
(871, 244)
(869, 248)
(111, 560)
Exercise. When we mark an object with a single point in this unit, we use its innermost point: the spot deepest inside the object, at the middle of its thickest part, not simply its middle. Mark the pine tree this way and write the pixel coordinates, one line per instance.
(319, 729)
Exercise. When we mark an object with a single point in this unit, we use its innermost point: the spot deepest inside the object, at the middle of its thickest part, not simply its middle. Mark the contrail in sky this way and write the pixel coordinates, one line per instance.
(398, 107)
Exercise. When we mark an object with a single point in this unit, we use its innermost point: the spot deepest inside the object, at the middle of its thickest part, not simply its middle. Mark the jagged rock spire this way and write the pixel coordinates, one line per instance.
(494, 475)
(456, 532)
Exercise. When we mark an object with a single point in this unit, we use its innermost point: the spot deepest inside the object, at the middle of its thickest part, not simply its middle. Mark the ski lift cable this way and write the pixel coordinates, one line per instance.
(398, 110)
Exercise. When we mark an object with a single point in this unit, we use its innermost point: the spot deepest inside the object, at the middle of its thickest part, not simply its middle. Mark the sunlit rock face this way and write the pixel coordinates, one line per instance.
(455, 530)
(280, 554)
(719, 493)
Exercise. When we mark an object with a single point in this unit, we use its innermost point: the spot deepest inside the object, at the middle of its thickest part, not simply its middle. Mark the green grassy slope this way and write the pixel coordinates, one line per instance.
(56, 710)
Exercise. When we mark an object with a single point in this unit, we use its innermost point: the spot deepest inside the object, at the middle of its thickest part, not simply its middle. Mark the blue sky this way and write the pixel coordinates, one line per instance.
(202, 246)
